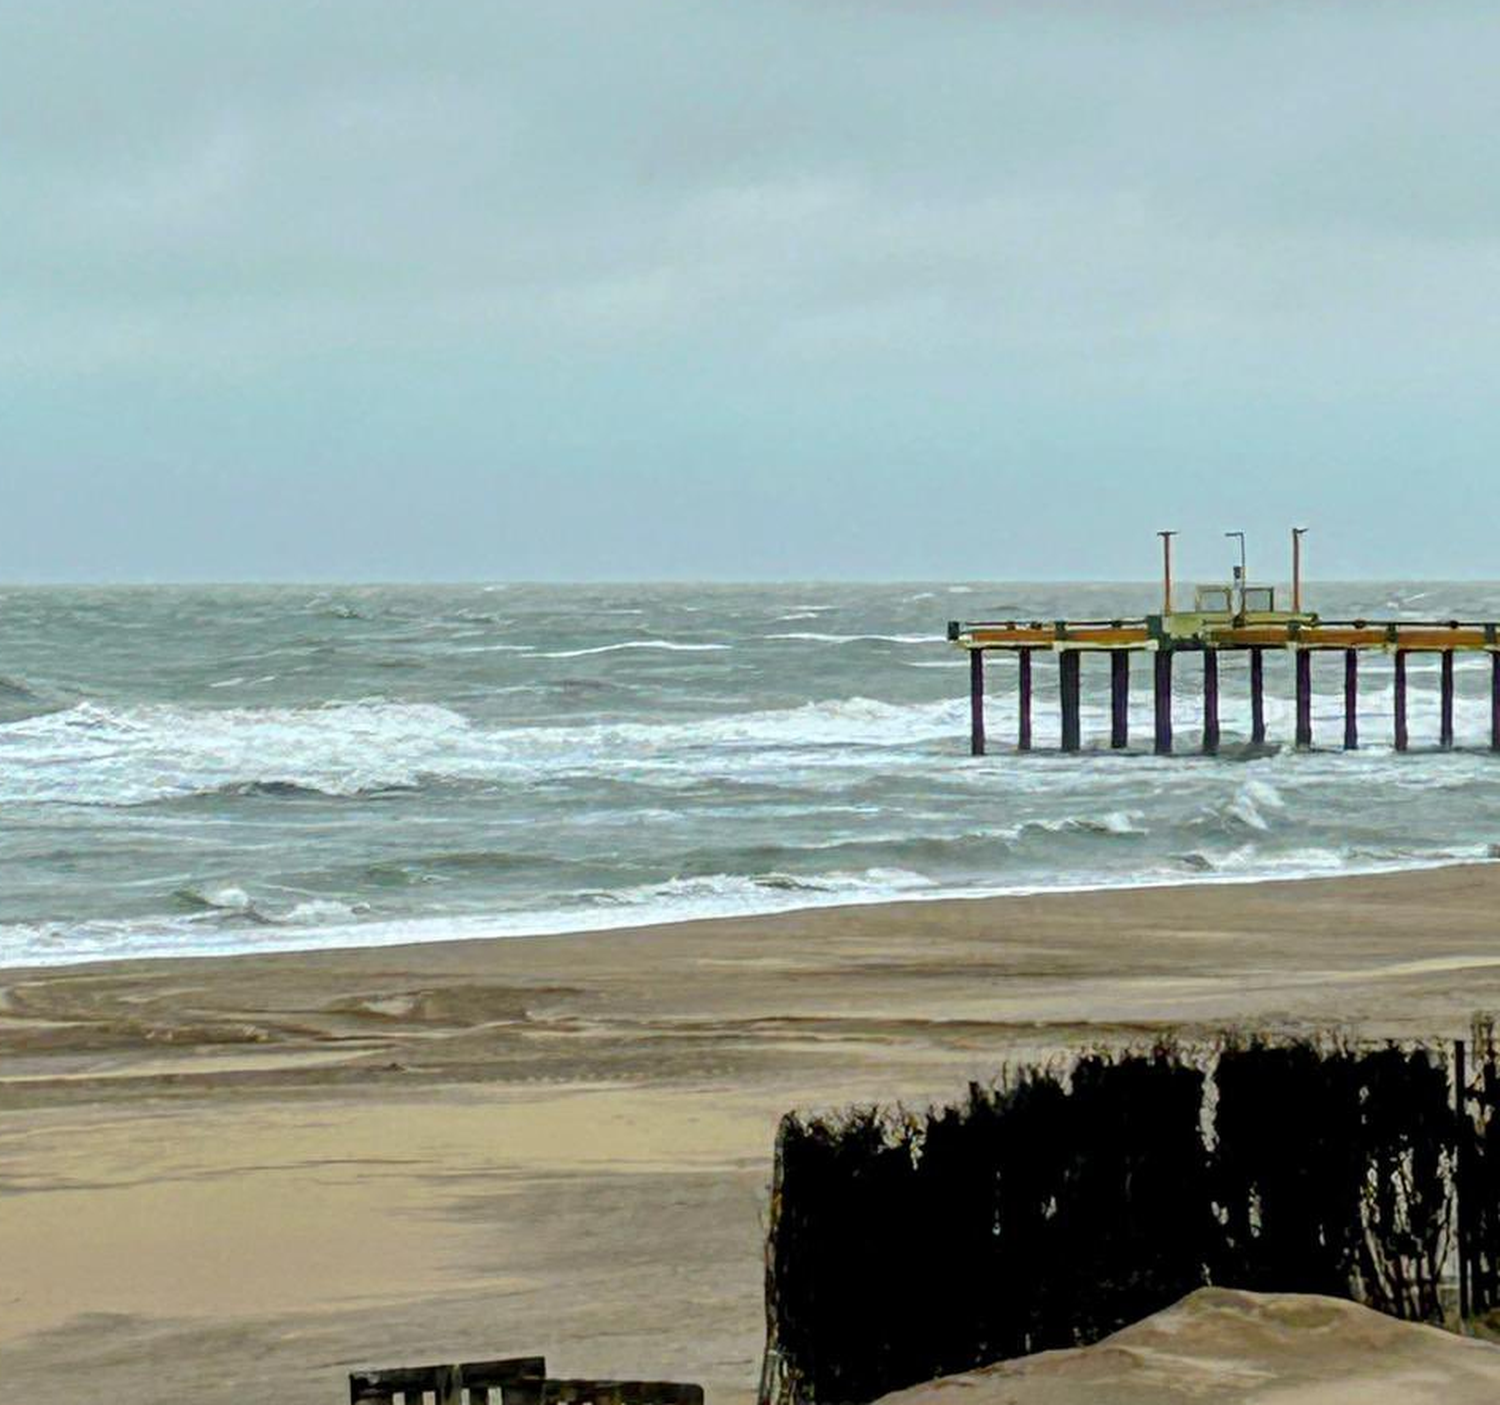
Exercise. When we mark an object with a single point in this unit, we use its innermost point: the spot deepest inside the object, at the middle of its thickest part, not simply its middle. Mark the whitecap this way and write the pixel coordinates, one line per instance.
(665, 644)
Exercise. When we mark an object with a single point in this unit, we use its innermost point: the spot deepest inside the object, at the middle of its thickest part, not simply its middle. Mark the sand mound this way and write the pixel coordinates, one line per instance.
(1253, 1348)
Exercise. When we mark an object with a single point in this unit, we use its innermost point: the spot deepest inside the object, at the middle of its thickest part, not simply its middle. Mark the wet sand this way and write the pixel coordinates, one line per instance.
(235, 1179)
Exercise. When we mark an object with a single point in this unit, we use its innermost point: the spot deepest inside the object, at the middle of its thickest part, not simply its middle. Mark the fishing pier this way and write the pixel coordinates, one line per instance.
(1236, 617)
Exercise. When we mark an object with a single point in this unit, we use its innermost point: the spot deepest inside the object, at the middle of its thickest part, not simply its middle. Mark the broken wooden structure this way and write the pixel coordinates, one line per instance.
(1237, 618)
(520, 1380)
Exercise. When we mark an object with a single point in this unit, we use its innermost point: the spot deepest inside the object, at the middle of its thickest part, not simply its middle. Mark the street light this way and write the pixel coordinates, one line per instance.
(1239, 571)
(1166, 572)
(1297, 534)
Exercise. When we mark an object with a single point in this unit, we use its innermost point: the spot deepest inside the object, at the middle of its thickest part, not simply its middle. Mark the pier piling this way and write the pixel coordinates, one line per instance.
(1023, 701)
(1351, 700)
(1210, 702)
(1119, 697)
(1495, 702)
(1399, 692)
(1243, 619)
(1067, 694)
(1304, 698)
(1257, 697)
(1445, 726)
(976, 702)
(1163, 702)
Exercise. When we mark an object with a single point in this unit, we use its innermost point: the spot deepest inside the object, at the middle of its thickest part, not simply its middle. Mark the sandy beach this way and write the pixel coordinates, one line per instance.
(237, 1178)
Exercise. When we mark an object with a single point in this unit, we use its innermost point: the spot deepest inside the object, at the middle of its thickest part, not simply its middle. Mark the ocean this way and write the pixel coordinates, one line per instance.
(199, 770)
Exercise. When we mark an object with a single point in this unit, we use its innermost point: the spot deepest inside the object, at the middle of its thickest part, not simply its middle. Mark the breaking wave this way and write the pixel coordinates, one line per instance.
(96, 755)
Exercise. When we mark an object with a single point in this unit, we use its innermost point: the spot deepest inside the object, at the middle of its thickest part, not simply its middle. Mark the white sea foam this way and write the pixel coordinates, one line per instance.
(666, 645)
(104, 756)
(64, 943)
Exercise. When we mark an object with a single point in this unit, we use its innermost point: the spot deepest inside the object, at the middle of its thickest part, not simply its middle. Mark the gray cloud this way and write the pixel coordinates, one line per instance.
(822, 267)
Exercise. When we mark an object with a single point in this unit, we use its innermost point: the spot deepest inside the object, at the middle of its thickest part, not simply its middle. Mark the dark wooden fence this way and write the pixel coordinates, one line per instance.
(520, 1380)
(1068, 1201)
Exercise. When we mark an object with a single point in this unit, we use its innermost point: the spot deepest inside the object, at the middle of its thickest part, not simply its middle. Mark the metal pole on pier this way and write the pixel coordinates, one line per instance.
(1163, 702)
(1210, 702)
(1297, 534)
(1304, 697)
(1119, 697)
(1166, 572)
(1023, 702)
(1067, 693)
(1351, 699)
(1257, 697)
(1400, 698)
(976, 702)
(1445, 726)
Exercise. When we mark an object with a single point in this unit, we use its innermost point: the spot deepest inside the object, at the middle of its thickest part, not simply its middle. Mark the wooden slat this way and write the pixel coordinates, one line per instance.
(1078, 638)
(580, 1392)
(385, 1384)
(1309, 637)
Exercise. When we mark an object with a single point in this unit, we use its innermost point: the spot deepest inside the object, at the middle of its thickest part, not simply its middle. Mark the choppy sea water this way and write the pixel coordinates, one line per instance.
(193, 770)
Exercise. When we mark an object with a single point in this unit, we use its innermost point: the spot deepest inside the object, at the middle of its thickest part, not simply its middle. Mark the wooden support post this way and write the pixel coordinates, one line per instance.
(1495, 701)
(976, 702)
(1304, 697)
(1445, 726)
(1462, 1134)
(1210, 702)
(1400, 697)
(1023, 702)
(1119, 697)
(1351, 699)
(1257, 697)
(1067, 692)
(1163, 702)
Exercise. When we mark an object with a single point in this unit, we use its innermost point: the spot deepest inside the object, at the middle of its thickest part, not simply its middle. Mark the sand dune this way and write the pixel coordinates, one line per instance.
(1231, 1348)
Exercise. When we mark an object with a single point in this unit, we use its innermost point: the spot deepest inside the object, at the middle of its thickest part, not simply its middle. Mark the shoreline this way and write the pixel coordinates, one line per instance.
(918, 895)
(290, 1164)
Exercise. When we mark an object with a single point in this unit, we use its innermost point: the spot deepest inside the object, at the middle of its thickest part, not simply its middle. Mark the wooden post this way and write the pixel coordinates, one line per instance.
(1400, 696)
(1304, 697)
(1210, 702)
(1119, 697)
(1163, 702)
(1445, 726)
(1351, 699)
(1257, 697)
(1462, 1131)
(1023, 702)
(1067, 692)
(1495, 701)
(976, 702)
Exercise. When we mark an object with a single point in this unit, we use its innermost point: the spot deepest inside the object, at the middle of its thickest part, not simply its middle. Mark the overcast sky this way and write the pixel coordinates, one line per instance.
(776, 288)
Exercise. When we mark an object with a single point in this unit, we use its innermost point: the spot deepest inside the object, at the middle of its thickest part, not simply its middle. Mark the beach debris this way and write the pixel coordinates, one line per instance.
(520, 1380)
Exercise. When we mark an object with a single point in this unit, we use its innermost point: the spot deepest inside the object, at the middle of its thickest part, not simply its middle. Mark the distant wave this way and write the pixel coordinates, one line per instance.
(635, 644)
(15, 690)
(812, 637)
